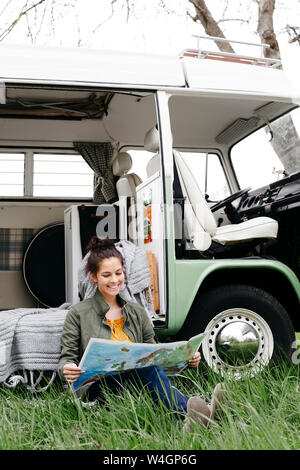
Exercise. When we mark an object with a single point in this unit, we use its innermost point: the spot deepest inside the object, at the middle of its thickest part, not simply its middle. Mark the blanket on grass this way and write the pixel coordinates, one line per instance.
(30, 339)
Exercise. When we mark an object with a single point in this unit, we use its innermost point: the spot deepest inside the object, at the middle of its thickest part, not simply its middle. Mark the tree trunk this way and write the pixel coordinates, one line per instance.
(265, 28)
(209, 24)
(286, 142)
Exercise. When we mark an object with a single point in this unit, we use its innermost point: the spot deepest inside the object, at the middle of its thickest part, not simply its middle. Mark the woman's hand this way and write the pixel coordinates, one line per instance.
(194, 362)
(72, 372)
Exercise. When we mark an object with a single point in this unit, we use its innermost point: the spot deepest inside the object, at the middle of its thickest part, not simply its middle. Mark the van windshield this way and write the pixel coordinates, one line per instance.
(269, 154)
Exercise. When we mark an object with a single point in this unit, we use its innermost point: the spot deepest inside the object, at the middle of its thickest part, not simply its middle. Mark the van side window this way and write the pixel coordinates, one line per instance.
(61, 176)
(209, 174)
(255, 161)
(12, 174)
(37, 174)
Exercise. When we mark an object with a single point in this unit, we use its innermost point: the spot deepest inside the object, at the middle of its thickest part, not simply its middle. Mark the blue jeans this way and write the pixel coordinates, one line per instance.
(153, 378)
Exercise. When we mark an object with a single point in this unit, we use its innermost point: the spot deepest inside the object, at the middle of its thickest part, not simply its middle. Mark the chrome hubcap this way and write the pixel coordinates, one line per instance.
(237, 340)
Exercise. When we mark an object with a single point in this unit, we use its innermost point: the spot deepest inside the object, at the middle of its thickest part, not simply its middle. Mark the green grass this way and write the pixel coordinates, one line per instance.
(263, 413)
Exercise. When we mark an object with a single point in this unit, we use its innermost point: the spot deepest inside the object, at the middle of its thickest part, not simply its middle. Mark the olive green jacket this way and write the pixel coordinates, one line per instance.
(87, 320)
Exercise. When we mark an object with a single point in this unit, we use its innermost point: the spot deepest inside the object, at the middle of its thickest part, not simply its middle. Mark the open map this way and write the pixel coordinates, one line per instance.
(103, 357)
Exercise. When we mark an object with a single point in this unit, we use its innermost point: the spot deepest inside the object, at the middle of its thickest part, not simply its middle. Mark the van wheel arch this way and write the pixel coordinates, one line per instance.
(264, 278)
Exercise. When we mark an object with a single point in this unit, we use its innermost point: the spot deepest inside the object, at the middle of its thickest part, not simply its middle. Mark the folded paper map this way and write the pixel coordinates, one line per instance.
(104, 356)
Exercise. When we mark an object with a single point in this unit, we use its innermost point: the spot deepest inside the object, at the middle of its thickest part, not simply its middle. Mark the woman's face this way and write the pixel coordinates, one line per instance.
(109, 277)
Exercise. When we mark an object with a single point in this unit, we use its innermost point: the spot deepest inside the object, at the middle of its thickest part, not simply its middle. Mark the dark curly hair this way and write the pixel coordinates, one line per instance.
(100, 249)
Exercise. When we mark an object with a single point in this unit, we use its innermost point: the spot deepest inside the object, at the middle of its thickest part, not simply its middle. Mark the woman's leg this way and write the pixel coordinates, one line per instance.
(161, 388)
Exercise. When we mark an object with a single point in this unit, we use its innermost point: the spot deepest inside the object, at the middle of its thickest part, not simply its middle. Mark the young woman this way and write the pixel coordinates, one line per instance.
(106, 315)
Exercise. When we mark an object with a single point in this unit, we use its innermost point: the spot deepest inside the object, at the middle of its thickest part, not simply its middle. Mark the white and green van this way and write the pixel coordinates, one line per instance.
(199, 156)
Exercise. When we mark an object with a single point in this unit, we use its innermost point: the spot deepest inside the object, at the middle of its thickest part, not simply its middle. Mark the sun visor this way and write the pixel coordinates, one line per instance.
(271, 110)
(238, 129)
(242, 127)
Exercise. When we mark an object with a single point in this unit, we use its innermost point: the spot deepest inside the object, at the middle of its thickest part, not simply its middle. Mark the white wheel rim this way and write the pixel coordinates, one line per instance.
(255, 323)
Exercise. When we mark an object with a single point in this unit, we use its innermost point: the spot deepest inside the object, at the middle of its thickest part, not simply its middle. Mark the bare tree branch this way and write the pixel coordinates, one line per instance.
(241, 20)
(52, 21)
(128, 9)
(296, 33)
(41, 22)
(29, 28)
(24, 12)
(209, 24)
(296, 38)
(194, 18)
(225, 9)
(112, 4)
(78, 30)
(163, 5)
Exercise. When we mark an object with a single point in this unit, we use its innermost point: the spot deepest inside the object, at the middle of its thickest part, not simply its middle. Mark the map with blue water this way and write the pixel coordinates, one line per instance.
(103, 357)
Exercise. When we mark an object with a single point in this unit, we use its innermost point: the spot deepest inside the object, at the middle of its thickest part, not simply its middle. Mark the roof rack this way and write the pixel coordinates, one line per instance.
(228, 56)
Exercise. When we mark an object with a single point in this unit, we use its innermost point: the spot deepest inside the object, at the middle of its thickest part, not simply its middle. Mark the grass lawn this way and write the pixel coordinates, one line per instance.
(263, 413)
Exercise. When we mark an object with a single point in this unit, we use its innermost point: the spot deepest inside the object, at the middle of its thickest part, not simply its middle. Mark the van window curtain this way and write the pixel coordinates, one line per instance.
(98, 156)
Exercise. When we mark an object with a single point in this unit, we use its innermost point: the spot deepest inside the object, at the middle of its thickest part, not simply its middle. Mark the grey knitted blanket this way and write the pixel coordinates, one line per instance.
(30, 339)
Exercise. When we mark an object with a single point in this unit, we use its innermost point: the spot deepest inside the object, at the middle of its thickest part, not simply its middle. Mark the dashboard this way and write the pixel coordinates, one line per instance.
(273, 199)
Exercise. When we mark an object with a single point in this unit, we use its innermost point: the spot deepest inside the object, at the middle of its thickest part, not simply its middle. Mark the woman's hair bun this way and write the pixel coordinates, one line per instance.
(97, 244)
(101, 249)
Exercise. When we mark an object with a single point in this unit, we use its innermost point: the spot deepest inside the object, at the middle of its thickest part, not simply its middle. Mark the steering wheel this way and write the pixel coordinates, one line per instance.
(229, 199)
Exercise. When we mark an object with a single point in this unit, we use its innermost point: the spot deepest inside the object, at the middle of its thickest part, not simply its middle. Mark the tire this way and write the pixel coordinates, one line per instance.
(245, 328)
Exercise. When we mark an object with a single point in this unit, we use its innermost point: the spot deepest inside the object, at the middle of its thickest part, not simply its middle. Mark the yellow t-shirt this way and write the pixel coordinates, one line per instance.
(117, 332)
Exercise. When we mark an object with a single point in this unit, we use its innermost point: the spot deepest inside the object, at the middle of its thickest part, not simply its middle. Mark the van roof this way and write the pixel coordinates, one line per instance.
(79, 66)
(88, 66)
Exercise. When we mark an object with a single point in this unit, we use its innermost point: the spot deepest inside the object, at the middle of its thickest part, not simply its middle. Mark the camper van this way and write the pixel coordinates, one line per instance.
(184, 156)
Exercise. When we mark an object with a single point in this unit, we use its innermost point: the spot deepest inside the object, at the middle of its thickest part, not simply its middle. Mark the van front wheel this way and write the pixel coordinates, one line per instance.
(245, 327)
